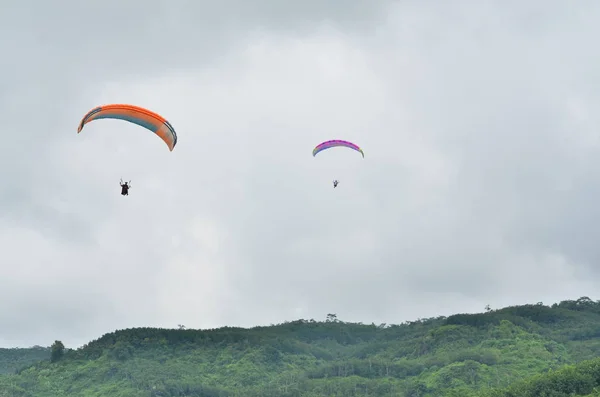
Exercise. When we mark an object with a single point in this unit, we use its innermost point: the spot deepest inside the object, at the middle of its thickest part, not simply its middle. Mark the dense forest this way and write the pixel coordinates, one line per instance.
(13, 359)
(521, 351)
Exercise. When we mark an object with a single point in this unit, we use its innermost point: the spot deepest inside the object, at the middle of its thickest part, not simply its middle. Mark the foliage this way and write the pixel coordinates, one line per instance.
(57, 351)
(525, 351)
(13, 359)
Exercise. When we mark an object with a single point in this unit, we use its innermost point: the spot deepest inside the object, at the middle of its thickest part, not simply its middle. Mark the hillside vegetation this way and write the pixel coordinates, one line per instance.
(13, 359)
(520, 351)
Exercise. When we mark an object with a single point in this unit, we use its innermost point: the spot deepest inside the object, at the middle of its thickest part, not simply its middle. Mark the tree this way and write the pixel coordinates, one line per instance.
(58, 350)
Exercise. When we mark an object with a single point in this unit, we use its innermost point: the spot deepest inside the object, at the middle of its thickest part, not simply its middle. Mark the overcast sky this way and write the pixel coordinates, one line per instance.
(480, 183)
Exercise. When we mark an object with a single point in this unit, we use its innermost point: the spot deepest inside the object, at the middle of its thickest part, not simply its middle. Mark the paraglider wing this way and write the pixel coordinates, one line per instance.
(136, 115)
(336, 143)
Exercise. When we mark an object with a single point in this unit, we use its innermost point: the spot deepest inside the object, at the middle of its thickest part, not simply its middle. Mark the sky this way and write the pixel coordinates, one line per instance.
(479, 121)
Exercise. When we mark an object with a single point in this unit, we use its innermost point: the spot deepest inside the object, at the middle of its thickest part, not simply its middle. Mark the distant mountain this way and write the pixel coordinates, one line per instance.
(521, 351)
(13, 359)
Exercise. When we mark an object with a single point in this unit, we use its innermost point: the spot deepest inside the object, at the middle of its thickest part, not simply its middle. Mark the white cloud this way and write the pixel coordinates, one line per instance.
(478, 184)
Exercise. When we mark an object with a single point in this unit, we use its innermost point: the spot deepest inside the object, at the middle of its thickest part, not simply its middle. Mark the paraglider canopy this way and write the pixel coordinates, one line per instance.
(136, 115)
(336, 143)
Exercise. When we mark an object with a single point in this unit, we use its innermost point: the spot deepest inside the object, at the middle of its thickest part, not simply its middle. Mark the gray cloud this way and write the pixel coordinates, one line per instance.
(478, 121)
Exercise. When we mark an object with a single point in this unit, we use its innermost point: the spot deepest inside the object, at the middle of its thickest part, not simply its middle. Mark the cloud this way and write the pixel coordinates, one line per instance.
(478, 123)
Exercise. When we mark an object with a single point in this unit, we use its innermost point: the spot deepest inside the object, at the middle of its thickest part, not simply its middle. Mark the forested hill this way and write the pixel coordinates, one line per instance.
(13, 359)
(521, 351)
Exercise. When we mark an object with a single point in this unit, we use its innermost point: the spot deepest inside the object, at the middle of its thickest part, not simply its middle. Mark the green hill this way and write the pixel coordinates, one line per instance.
(13, 359)
(499, 353)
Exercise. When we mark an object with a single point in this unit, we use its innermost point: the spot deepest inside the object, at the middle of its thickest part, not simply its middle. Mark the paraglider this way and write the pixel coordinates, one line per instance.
(125, 186)
(336, 143)
(136, 115)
